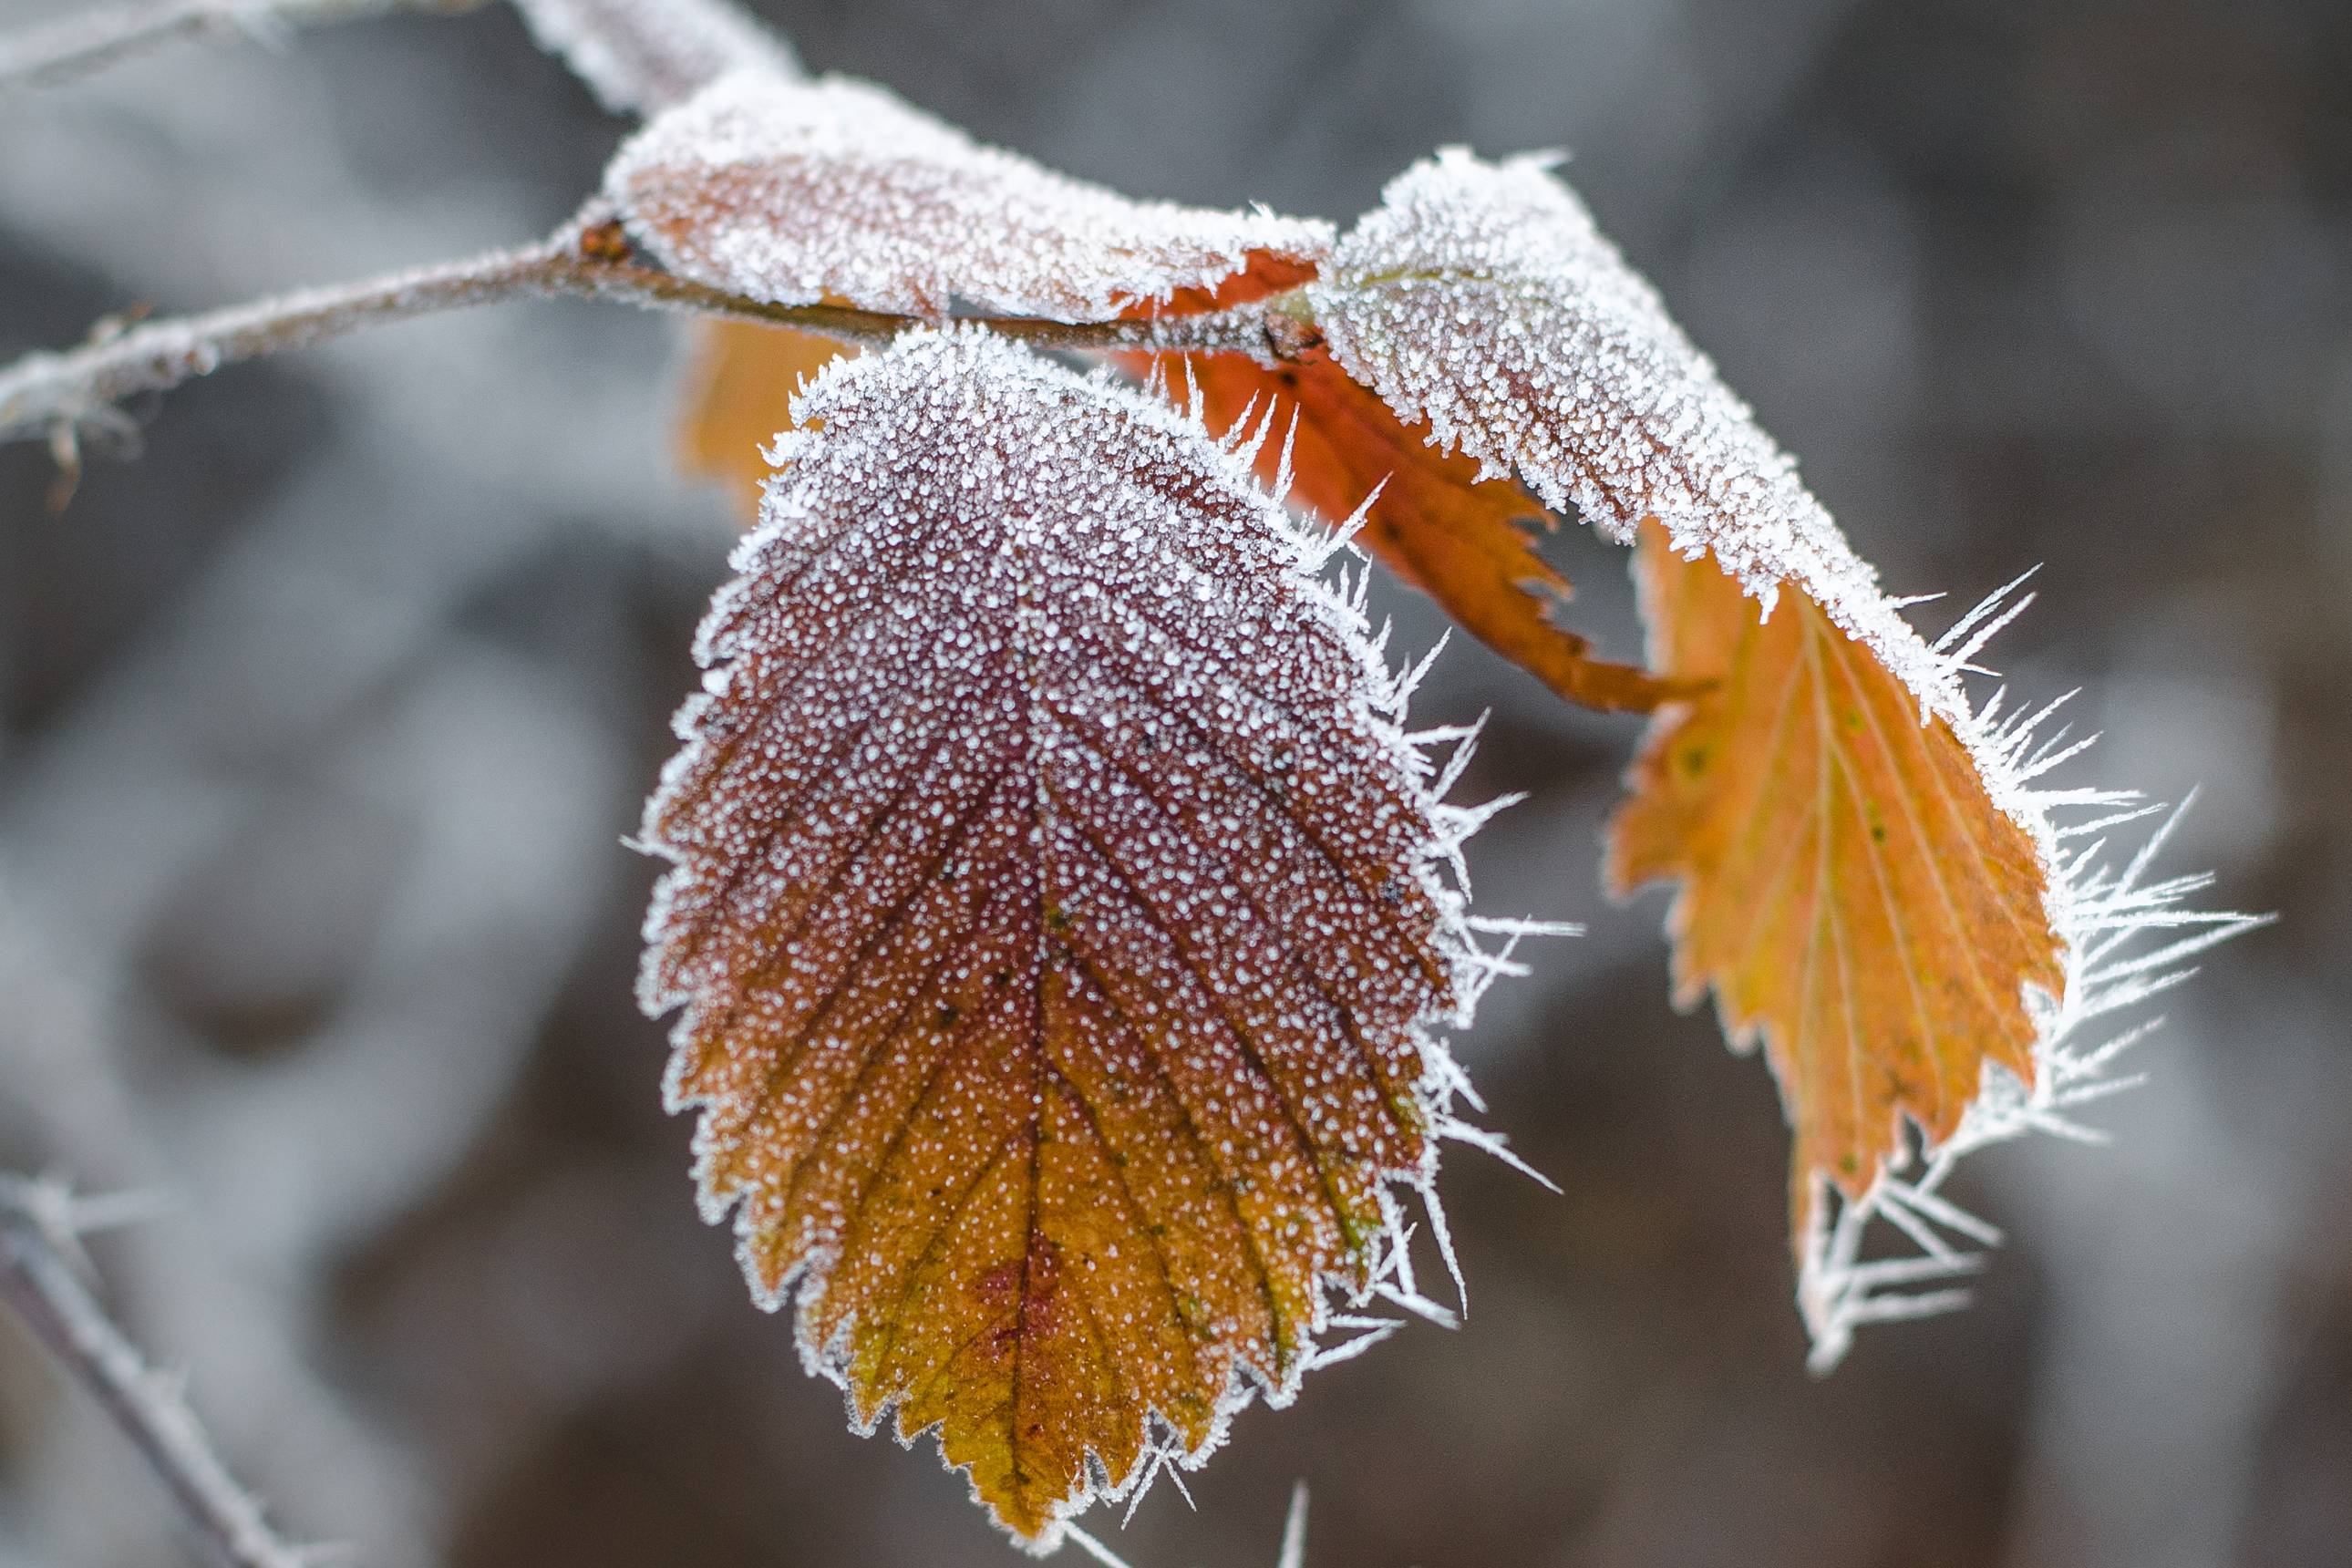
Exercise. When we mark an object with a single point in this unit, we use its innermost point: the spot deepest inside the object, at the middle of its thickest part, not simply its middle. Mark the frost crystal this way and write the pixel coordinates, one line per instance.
(640, 57)
(1482, 298)
(796, 192)
(1058, 914)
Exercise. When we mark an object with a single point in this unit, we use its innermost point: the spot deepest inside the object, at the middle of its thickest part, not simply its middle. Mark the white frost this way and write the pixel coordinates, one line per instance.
(796, 192)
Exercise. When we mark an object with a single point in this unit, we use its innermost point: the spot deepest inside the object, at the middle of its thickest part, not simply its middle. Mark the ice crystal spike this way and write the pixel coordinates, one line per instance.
(796, 192)
(1059, 915)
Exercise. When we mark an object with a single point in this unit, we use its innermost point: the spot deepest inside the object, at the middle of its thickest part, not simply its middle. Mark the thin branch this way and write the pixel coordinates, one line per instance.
(39, 1281)
(640, 57)
(56, 395)
(96, 39)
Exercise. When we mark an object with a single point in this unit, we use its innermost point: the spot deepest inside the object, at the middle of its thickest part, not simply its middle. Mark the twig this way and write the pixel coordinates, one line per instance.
(1294, 1536)
(639, 57)
(99, 38)
(1294, 1530)
(53, 396)
(39, 1225)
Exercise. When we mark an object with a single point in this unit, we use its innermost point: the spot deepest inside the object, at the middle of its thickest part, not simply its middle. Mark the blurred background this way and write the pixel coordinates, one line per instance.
(321, 721)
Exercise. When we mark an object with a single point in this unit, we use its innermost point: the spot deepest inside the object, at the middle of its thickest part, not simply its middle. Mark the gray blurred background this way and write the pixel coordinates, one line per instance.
(321, 721)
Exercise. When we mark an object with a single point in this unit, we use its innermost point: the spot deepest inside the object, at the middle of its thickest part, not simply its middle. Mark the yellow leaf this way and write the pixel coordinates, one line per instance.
(1849, 892)
(1058, 917)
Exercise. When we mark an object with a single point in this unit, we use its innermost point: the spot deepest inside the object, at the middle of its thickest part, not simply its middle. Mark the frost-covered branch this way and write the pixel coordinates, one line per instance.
(98, 37)
(54, 395)
(39, 1224)
(640, 57)
(47, 392)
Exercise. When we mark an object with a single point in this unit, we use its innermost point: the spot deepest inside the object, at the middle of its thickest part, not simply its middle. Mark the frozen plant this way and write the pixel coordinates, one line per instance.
(1063, 917)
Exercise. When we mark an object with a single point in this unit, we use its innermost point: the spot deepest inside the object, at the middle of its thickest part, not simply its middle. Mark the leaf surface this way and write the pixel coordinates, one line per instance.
(1849, 892)
(796, 192)
(1467, 543)
(1057, 921)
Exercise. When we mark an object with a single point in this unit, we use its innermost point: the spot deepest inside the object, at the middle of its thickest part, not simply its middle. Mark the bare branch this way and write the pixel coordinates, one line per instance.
(640, 57)
(46, 392)
(55, 395)
(96, 39)
(38, 1279)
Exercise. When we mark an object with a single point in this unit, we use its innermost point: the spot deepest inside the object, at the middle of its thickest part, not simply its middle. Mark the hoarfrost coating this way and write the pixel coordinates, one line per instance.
(1481, 298)
(797, 192)
(1057, 897)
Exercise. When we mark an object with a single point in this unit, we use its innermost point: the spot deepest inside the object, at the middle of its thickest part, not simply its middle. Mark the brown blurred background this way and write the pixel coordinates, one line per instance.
(320, 723)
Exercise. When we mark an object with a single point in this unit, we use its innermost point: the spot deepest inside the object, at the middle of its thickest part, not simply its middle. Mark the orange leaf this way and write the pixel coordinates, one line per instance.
(1058, 918)
(1467, 542)
(740, 382)
(1850, 890)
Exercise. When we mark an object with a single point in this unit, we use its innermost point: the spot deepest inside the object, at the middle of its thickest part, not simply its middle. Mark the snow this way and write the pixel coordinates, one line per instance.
(793, 191)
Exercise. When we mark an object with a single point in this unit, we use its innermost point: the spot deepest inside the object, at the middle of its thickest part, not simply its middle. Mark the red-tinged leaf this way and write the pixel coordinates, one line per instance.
(1850, 889)
(1467, 543)
(1058, 922)
(796, 192)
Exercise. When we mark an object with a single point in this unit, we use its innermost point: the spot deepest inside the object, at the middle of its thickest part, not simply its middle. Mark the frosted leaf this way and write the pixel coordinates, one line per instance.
(1480, 297)
(640, 57)
(796, 192)
(1059, 915)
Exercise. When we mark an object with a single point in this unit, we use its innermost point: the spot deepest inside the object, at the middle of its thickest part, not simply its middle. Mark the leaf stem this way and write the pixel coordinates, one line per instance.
(80, 45)
(55, 394)
(39, 1282)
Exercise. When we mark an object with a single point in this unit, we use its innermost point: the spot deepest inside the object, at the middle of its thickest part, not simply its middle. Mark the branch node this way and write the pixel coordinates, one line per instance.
(606, 241)
(1291, 336)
